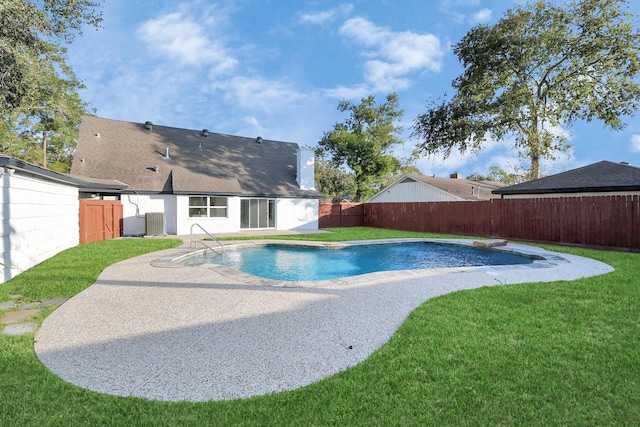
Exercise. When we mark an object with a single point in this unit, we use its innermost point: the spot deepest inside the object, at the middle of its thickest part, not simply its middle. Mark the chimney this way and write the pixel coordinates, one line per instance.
(455, 175)
(305, 172)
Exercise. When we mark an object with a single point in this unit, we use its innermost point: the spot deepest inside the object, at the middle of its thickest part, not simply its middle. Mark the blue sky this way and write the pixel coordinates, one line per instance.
(278, 69)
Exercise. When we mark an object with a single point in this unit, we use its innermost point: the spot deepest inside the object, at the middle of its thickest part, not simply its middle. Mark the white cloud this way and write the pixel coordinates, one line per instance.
(481, 17)
(343, 92)
(185, 40)
(635, 143)
(328, 15)
(459, 11)
(252, 126)
(393, 55)
(509, 162)
(455, 3)
(440, 167)
(257, 93)
(274, 110)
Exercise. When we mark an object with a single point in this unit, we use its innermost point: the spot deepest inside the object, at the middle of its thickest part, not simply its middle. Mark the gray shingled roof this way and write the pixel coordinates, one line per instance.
(222, 164)
(603, 176)
(464, 188)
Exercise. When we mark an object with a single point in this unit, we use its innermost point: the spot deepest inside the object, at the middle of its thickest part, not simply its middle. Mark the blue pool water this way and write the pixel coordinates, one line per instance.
(300, 263)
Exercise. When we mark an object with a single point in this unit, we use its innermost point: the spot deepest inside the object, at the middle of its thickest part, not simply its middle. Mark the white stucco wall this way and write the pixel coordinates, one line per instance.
(39, 219)
(212, 225)
(297, 214)
(135, 206)
(300, 214)
(305, 169)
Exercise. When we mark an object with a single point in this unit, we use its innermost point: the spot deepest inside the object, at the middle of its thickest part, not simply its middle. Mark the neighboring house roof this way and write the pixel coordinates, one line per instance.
(161, 159)
(463, 188)
(599, 177)
(456, 188)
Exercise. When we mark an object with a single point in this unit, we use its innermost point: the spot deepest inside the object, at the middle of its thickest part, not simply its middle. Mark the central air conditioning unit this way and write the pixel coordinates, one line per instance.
(155, 224)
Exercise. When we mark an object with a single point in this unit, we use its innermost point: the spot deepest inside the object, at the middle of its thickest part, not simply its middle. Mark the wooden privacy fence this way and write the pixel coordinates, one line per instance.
(340, 214)
(602, 221)
(611, 221)
(100, 220)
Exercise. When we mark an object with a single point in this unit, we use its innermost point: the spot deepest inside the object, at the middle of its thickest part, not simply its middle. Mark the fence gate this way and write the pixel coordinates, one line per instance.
(100, 220)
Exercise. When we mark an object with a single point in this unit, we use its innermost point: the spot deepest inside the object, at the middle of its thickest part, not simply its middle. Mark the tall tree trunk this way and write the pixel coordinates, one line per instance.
(44, 149)
(534, 172)
(533, 143)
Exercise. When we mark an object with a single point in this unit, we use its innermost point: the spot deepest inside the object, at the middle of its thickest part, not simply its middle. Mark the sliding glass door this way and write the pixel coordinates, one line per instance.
(257, 213)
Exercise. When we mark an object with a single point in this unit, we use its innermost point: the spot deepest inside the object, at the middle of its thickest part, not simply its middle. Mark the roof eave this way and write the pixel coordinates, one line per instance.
(38, 171)
(207, 193)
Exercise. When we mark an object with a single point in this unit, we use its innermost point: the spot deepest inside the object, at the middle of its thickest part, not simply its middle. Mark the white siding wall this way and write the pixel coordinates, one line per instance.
(413, 192)
(39, 219)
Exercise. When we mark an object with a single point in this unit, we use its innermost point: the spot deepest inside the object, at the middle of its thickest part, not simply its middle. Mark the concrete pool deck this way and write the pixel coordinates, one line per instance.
(210, 333)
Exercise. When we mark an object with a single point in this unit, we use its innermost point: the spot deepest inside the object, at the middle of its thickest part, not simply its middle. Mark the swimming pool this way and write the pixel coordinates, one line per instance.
(304, 263)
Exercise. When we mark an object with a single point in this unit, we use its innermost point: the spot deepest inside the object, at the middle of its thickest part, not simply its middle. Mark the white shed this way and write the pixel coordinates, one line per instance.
(39, 212)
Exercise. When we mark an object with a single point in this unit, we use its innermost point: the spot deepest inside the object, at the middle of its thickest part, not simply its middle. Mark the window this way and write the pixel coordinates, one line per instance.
(207, 207)
(258, 213)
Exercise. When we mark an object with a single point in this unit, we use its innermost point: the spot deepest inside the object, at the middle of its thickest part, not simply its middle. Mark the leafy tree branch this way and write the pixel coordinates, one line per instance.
(363, 141)
(541, 68)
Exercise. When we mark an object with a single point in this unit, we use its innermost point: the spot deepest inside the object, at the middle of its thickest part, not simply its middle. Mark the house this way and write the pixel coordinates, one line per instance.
(182, 177)
(598, 179)
(419, 188)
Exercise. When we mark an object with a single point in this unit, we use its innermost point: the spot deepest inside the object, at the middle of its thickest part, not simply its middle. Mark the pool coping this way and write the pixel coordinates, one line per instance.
(542, 259)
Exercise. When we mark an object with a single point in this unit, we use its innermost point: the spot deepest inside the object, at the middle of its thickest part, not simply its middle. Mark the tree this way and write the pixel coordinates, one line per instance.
(498, 174)
(38, 90)
(539, 69)
(477, 176)
(363, 141)
(334, 183)
(17, 143)
(31, 35)
(505, 177)
(56, 121)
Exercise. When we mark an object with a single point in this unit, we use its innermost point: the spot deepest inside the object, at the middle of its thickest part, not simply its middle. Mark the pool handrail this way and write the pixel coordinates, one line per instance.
(194, 243)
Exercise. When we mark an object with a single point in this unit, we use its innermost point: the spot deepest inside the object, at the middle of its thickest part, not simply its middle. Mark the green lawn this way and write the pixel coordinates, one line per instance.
(562, 353)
